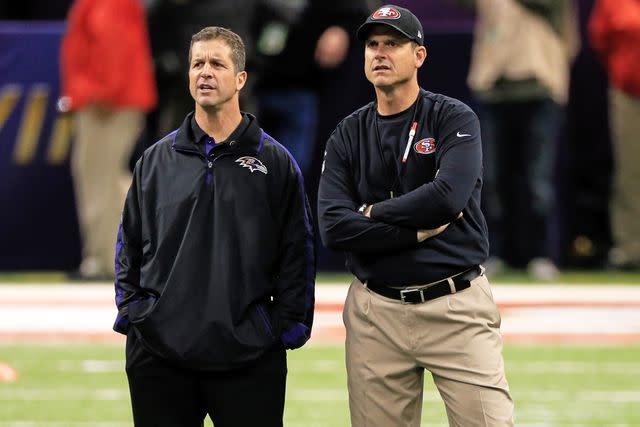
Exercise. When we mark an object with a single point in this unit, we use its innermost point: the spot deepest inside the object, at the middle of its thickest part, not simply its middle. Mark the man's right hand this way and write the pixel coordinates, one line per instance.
(425, 234)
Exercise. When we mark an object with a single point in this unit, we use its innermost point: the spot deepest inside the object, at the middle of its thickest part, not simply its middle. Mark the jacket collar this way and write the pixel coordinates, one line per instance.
(251, 140)
(373, 106)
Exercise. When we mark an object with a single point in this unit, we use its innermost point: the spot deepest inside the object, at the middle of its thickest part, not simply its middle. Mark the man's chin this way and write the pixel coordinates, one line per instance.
(382, 84)
(207, 103)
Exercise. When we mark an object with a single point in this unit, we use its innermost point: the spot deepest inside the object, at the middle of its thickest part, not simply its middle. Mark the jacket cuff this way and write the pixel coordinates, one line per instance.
(295, 336)
(122, 324)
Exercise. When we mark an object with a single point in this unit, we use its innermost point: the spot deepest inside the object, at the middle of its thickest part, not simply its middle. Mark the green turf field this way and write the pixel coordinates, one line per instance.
(84, 385)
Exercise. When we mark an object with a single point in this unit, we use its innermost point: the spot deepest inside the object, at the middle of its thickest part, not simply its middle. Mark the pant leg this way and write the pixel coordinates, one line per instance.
(85, 182)
(251, 396)
(519, 146)
(457, 338)
(385, 384)
(625, 203)
(493, 206)
(101, 176)
(161, 395)
(539, 132)
(123, 132)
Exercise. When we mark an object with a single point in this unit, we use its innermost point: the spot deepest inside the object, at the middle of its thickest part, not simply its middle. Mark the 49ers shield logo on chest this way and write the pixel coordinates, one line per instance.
(425, 146)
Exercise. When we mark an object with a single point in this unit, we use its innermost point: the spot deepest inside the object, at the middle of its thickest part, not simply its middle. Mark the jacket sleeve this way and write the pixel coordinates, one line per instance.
(113, 25)
(598, 28)
(128, 253)
(459, 167)
(295, 279)
(342, 227)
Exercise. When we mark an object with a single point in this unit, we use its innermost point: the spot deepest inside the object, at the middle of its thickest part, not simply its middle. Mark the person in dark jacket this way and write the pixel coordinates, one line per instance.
(215, 263)
(400, 194)
(298, 43)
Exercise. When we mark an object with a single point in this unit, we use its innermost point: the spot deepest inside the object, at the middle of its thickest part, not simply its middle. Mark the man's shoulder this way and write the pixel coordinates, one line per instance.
(272, 145)
(356, 117)
(164, 142)
(445, 103)
(274, 151)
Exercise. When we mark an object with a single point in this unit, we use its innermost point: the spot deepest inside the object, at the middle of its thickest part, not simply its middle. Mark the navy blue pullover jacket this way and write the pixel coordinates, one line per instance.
(441, 178)
(215, 257)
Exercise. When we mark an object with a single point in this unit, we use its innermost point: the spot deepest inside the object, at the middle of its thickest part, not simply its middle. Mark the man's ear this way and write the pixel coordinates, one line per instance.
(420, 55)
(241, 79)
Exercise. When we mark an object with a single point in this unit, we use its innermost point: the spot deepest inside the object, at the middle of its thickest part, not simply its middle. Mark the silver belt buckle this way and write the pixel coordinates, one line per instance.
(403, 292)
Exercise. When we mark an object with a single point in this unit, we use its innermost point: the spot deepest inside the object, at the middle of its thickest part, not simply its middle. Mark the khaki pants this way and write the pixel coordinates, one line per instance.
(625, 203)
(456, 338)
(100, 170)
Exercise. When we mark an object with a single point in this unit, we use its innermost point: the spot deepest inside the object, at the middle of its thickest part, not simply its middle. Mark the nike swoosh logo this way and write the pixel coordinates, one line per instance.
(460, 135)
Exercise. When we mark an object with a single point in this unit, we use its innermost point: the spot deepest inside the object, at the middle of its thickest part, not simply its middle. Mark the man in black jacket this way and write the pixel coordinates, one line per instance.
(299, 43)
(215, 263)
(400, 193)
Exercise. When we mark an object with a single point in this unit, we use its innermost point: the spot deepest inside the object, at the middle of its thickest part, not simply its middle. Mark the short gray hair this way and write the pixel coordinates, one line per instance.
(238, 55)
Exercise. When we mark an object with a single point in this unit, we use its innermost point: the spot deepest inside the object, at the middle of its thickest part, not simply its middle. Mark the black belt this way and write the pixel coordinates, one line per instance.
(447, 286)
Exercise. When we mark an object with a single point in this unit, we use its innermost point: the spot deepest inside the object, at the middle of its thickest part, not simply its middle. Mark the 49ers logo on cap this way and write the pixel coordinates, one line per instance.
(425, 146)
(386, 13)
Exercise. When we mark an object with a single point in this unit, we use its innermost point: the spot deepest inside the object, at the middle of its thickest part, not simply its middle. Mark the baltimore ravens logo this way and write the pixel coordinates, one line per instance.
(386, 13)
(425, 146)
(252, 164)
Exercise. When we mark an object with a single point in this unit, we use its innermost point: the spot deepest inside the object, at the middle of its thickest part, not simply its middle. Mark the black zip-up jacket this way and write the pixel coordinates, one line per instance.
(215, 257)
(441, 178)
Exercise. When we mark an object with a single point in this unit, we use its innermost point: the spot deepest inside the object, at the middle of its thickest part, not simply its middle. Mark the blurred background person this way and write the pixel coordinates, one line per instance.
(34, 10)
(108, 83)
(171, 25)
(614, 30)
(519, 74)
(297, 43)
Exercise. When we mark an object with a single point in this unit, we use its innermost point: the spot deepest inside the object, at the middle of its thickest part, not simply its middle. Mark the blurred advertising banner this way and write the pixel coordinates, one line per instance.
(38, 225)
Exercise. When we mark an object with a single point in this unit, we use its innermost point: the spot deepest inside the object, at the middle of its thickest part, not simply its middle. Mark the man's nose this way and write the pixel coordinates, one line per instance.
(207, 70)
(380, 52)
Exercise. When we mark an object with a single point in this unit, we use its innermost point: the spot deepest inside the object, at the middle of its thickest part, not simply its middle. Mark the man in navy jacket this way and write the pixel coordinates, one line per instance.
(215, 263)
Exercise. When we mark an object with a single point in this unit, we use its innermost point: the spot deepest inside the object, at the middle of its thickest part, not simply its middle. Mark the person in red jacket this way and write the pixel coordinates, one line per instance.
(108, 84)
(614, 30)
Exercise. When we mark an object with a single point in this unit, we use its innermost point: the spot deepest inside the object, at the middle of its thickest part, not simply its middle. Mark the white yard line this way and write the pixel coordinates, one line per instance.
(533, 313)
(332, 291)
(57, 394)
(322, 394)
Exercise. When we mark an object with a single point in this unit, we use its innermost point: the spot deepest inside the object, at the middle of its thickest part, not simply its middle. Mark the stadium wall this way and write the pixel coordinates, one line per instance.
(38, 223)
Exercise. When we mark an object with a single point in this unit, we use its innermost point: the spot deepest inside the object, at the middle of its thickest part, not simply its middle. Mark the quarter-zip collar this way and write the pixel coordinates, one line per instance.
(247, 137)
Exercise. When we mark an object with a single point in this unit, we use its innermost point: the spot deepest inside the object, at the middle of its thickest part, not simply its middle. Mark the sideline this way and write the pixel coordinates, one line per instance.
(571, 314)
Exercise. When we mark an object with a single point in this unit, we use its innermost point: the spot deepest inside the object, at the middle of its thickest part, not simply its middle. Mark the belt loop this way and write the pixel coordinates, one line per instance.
(451, 285)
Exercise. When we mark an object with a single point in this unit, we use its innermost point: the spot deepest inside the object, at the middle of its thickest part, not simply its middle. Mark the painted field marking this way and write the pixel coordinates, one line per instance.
(49, 394)
(531, 313)
(7, 373)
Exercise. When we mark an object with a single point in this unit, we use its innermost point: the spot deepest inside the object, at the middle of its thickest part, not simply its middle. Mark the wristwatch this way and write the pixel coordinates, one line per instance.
(362, 208)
